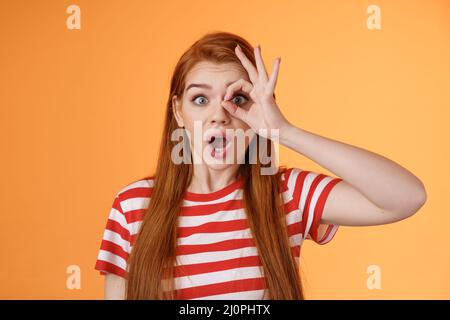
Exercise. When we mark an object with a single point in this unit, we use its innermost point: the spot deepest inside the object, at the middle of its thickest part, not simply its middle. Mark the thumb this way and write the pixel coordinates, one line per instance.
(235, 111)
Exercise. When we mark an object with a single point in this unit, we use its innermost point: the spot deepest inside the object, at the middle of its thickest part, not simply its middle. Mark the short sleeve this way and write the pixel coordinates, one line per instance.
(115, 244)
(309, 192)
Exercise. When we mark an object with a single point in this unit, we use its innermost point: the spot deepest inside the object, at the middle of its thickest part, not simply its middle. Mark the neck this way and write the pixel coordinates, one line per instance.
(207, 180)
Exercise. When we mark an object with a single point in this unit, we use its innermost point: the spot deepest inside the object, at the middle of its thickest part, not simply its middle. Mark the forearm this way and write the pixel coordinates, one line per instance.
(385, 183)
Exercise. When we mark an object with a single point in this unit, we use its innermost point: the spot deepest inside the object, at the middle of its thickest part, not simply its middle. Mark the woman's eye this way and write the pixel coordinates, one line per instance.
(199, 100)
(239, 101)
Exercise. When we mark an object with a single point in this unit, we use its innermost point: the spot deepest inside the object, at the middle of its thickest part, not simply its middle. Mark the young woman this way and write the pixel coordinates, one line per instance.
(215, 230)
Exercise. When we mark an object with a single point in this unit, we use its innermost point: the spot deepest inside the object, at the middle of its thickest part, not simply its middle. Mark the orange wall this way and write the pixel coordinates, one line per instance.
(81, 116)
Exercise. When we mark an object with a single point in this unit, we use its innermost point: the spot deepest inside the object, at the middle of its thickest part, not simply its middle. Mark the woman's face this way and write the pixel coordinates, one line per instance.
(218, 142)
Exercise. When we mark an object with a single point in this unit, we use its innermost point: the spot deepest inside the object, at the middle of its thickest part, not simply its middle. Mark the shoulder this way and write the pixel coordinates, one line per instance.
(135, 194)
(289, 176)
(285, 172)
(296, 179)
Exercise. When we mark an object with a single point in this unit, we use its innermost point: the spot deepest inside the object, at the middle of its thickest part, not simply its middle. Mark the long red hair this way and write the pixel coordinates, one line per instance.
(153, 256)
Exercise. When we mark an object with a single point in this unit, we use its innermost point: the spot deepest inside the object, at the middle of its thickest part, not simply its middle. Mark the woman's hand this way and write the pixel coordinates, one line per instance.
(263, 112)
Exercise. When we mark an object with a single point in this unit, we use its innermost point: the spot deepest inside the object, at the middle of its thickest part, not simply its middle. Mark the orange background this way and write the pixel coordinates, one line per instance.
(82, 113)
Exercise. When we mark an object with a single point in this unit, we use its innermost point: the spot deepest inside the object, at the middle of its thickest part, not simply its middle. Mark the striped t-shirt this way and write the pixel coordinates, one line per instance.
(216, 255)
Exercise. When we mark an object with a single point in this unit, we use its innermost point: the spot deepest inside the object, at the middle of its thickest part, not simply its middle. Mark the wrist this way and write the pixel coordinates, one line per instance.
(287, 131)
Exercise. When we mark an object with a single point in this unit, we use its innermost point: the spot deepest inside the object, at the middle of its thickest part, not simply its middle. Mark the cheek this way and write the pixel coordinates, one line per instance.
(239, 124)
(192, 114)
(190, 122)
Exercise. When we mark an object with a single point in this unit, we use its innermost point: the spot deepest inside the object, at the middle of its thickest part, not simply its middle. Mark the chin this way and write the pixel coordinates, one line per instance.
(219, 167)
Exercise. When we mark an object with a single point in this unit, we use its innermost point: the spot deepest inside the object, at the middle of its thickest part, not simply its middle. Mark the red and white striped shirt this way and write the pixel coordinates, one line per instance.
(216, 255)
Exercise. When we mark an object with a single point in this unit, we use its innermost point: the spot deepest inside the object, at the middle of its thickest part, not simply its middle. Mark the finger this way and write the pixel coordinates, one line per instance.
(274, 76)
(235, 111)
(260, 63)
(241, 84)
(251, 70)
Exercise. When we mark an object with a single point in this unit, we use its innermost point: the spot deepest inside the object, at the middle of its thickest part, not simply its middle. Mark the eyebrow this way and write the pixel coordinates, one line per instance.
(204, 85)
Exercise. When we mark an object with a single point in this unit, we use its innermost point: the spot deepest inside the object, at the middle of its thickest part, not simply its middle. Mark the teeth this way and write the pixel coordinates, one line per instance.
(218, 142)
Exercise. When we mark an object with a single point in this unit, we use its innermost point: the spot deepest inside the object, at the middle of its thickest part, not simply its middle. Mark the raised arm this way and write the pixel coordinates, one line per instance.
(374, 190)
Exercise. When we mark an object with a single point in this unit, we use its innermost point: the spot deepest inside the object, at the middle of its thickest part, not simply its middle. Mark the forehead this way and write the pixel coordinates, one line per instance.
(215, 74)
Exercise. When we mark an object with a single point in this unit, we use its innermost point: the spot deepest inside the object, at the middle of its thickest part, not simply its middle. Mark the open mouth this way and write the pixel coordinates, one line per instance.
(218, 143)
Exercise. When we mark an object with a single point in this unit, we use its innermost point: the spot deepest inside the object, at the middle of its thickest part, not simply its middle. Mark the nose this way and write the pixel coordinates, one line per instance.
(219, 115)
